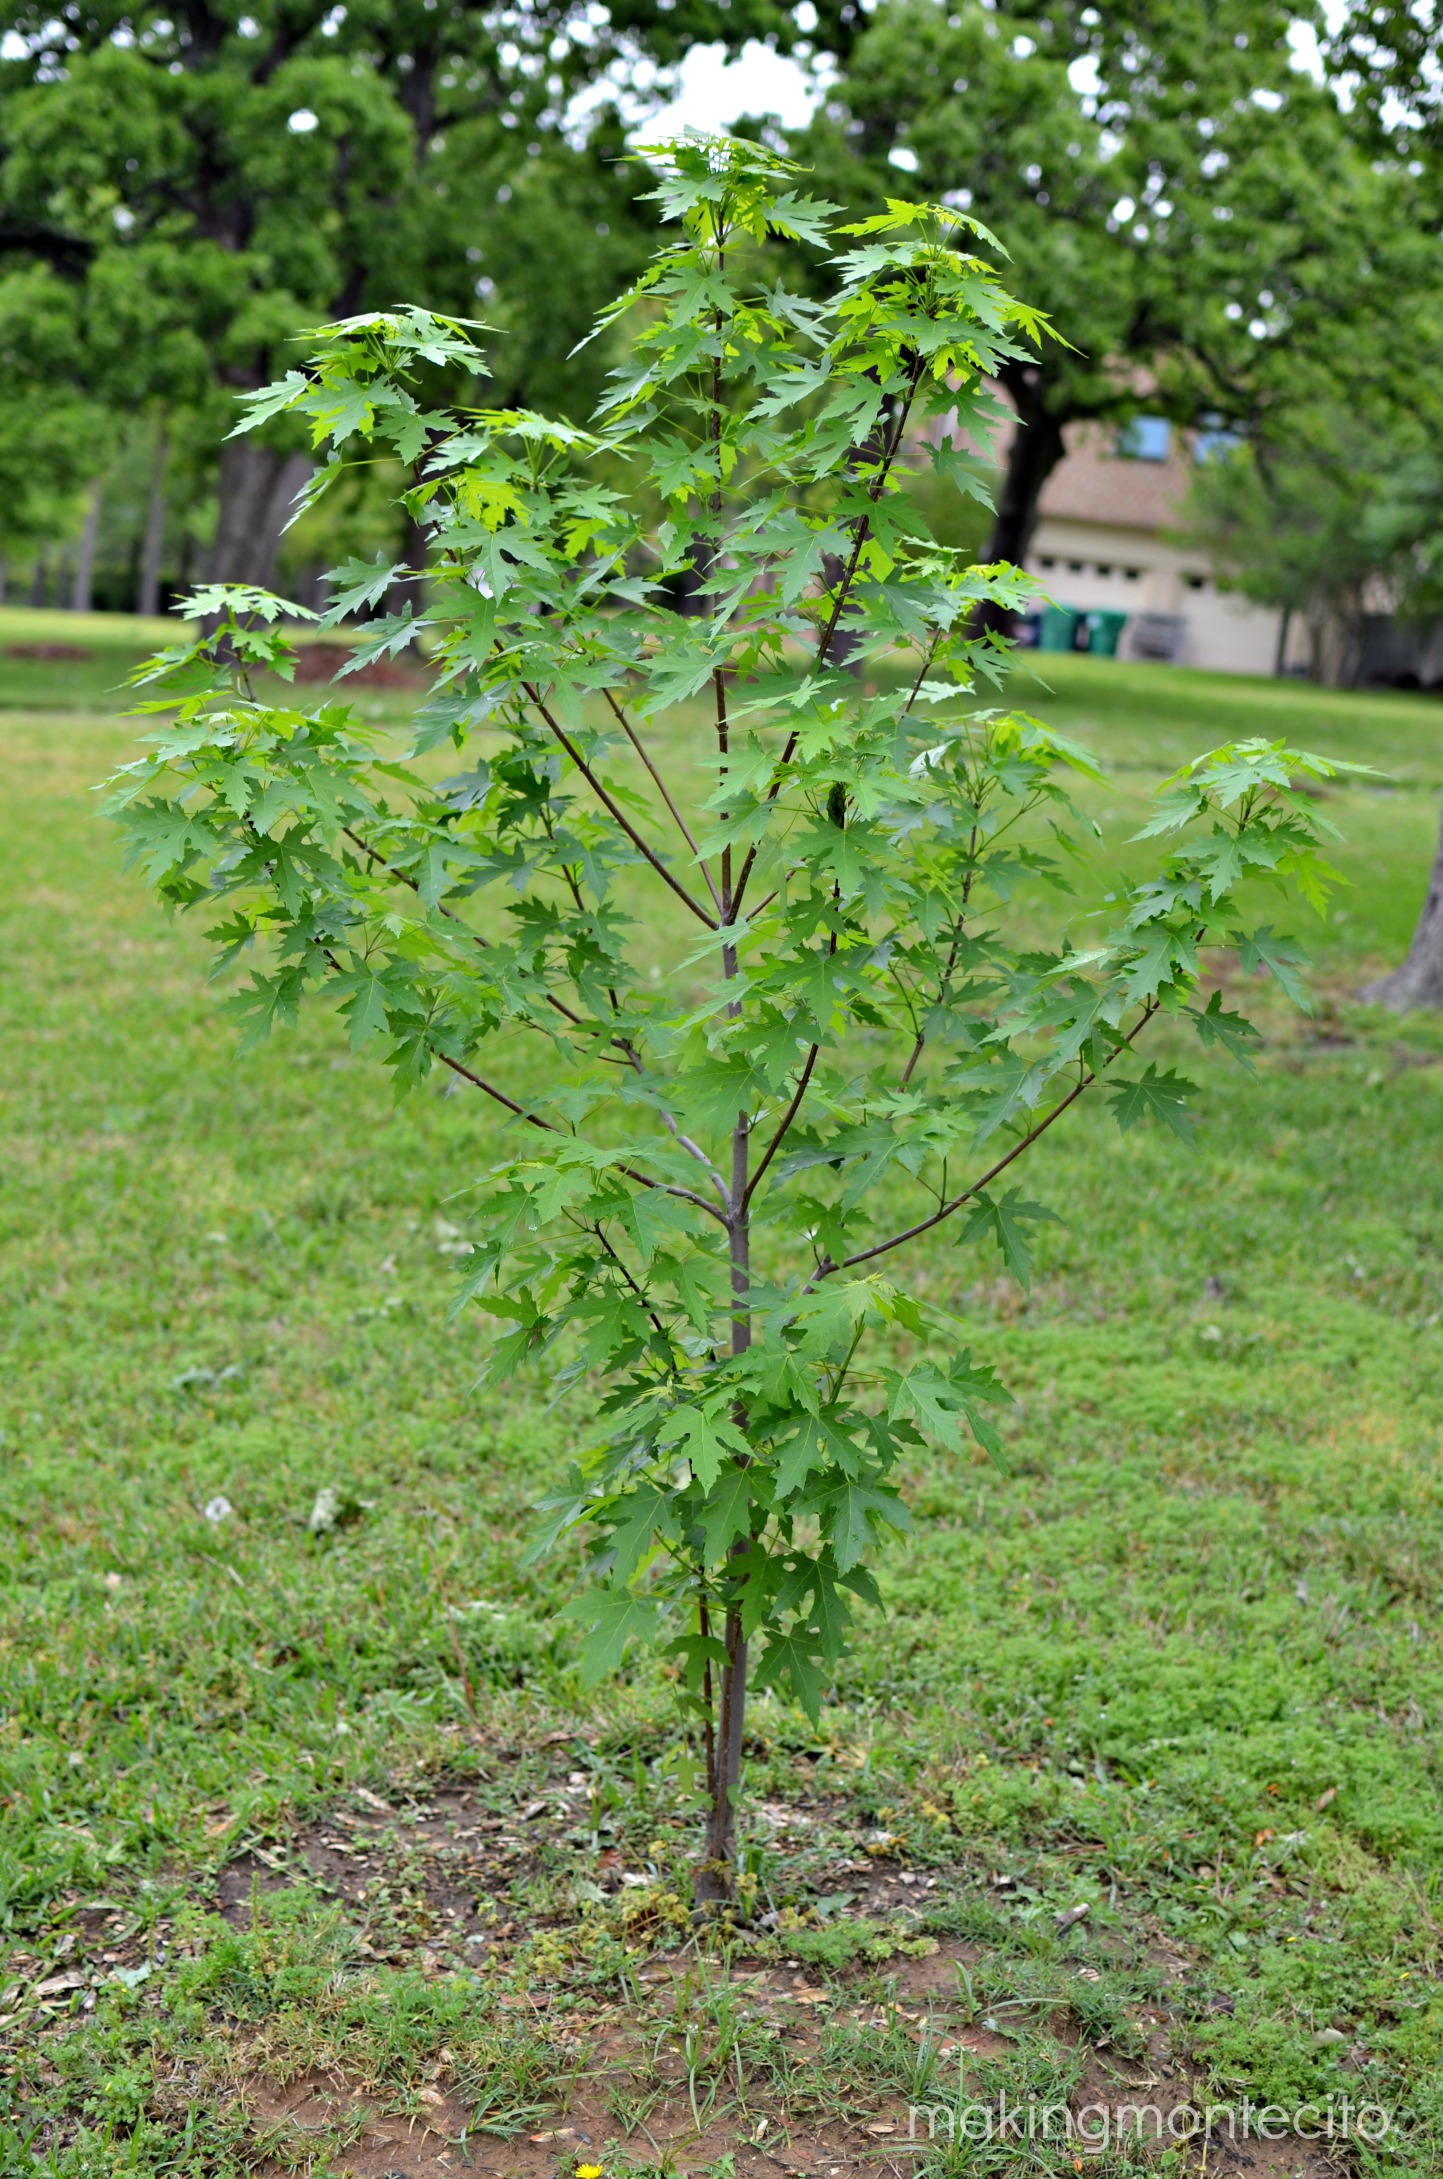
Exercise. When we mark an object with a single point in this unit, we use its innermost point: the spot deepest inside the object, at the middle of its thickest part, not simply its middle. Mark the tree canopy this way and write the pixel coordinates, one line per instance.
(185, 190)
(1174, 192)
(776, 931)
(183, 193)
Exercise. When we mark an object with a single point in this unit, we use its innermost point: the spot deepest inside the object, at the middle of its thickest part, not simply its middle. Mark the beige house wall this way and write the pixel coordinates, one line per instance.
(1132, 570)
(1100, 541)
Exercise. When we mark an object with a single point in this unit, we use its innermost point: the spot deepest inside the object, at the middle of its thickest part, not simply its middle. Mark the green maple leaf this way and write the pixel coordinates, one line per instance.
(853, 1513)
(1264, 949)
(727, 1513)
(611, 1618)
(365, 1004)
(831, 1615)
(1234, 1032)
(814, 1441)
(791, 1660)
(356, 583)
(943, 1401)
(1155, 1096)
(1006, 1221)
(706, 1438)
(640, 1514)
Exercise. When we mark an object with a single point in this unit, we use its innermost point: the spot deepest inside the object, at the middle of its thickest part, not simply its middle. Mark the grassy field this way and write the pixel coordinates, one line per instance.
(313, 1858)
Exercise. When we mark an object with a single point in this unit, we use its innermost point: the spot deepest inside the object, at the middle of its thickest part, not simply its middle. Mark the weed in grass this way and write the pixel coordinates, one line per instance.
(843, 1942)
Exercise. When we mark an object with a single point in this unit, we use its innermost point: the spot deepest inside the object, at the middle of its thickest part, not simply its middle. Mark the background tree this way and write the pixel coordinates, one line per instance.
(771, 933)
(214, 180)
(1173, 193)
(1337, 515)
(1385, 56)
(1390, 59)
(53, 437)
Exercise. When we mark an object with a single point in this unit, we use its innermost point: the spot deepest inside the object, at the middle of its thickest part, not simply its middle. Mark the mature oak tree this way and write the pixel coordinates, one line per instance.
(199, 183)
(1177, 197)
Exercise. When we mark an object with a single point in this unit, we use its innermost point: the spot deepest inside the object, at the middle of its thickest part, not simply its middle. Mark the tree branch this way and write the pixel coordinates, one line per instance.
(882, 1248)
(681, 824)
(946, 977)
(801, 1090)
(405, 877)
(787, 1118)
(874, 493)
(694, 1150)
(65, 253)
(614, 1254)
(650, 854)
(534, 1119)
(622, 1043)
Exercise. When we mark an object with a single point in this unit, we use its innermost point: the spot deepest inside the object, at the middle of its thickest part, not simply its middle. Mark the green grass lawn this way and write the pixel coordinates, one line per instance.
(306, 1827)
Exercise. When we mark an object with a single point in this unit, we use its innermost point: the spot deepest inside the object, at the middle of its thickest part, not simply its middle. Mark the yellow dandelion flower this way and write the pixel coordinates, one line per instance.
(589, 2171)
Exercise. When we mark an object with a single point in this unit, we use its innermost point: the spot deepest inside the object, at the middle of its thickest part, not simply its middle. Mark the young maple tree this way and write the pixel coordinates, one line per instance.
(733, 933)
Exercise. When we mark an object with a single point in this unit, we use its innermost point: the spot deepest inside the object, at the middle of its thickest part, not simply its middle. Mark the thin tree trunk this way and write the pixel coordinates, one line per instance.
(39, 578)
(714, 1878)
(1419, 982)
(716, 1875)
(258, 487)
(147, 600)
(83, 586)
(1285, 622)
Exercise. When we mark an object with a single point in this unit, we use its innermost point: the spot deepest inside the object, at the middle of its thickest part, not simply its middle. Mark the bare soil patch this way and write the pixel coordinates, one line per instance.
(323, 661)
(435, 1885)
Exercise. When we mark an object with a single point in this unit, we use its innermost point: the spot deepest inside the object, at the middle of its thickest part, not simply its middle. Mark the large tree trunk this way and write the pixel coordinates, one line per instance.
(845, 643)
(258, 487)
(1037, 447)
(1419, 982)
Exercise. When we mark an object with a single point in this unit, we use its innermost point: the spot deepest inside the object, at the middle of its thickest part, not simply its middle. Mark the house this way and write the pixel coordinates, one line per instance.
(1101, 541)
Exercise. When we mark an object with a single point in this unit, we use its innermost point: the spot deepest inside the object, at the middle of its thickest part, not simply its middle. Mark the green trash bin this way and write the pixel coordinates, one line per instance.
(1104, 630)
(1058, 628)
